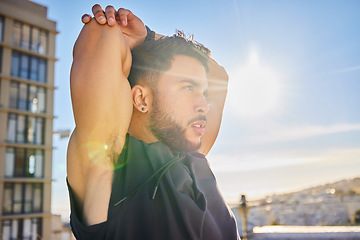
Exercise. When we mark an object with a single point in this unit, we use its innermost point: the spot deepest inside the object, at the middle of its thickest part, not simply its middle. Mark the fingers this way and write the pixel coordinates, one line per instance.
(110, 15)
(99, 14)
(124, 14)
(86, 18)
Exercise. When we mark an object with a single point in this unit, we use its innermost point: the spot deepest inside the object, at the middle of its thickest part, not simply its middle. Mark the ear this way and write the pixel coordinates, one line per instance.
(141, 98)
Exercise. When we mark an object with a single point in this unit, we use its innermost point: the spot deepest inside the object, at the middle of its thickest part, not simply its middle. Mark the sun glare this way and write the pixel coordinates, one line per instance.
(255, 89)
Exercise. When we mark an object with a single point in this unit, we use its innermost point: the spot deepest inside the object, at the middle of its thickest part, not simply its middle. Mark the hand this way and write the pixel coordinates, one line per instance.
(131, 26)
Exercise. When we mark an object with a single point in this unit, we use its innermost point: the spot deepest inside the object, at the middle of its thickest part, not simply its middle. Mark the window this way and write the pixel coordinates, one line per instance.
(24, 162)
(22, 198)
(16, 203)
(25, 36)
(38, 135)
(27, 97)
(20, 162)
(35, 39)
(34, 74)
(28, 67)
(28, 204)
(43, 42)
(22, 96)
(11, 136)
(32, 99)
(25, 129)
(15, 64)
(30, 129)
(13, 94)
(28, 228)
(1, 28)
(10, 162)
(20, 129)
(7, 207)
(0, 58)
(41, 99)
(29, 37)
(37, 197)
(42, 70)
(24, 66)
(39, 163)
(16, 34)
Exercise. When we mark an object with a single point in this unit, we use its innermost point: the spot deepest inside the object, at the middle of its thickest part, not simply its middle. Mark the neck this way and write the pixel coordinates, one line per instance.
(139, 127)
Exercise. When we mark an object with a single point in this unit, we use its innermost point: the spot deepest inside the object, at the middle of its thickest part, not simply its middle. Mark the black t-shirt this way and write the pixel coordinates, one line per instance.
(160, 194)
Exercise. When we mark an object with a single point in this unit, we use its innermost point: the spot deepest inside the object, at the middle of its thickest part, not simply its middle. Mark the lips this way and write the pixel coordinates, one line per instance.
(199, 126)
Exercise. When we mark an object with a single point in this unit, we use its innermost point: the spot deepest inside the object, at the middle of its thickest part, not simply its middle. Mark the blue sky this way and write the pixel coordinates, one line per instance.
(292, 116)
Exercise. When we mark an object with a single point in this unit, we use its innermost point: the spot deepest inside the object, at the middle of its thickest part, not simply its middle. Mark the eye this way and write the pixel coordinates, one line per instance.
(189, 87)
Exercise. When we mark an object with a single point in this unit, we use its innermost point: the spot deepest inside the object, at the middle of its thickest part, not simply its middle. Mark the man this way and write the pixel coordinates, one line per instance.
(136, 167)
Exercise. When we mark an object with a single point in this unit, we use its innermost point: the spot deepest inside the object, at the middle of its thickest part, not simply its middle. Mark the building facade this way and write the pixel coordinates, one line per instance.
(27, 58)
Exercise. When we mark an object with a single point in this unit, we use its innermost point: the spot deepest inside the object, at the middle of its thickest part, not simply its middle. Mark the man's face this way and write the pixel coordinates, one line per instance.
(179, 106)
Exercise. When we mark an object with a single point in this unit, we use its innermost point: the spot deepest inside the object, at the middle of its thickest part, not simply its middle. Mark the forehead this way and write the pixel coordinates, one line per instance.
(184, 68)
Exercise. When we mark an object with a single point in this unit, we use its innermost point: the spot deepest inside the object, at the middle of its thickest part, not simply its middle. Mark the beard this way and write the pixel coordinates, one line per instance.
(168, 131)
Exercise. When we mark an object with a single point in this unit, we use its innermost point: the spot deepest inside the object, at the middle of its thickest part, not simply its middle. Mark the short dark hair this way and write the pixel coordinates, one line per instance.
(153, 57)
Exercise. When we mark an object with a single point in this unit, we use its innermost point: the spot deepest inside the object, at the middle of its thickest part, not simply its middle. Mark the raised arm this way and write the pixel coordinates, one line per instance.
(218, 83)
(102, 105)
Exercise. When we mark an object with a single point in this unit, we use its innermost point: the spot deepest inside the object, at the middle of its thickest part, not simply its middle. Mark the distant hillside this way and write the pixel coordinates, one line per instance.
(350, 187)
(332, 204)
(347, 187)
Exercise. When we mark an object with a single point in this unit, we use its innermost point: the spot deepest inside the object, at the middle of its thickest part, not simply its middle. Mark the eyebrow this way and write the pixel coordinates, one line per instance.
(195, 84)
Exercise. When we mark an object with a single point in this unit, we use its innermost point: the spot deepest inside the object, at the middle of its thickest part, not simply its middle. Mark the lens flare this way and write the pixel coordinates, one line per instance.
(254, 89)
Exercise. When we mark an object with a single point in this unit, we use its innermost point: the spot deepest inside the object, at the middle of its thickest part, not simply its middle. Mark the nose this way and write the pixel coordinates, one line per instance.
(202, 105)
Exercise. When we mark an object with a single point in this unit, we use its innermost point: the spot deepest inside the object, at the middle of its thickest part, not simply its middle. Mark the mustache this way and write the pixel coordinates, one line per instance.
(199, 118)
